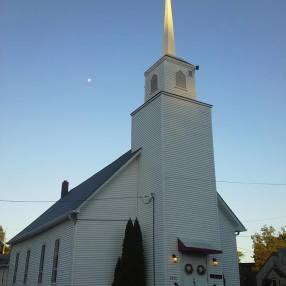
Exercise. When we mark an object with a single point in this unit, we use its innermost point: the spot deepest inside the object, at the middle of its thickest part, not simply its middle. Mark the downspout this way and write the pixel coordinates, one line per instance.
(73, 218)
(154, 265)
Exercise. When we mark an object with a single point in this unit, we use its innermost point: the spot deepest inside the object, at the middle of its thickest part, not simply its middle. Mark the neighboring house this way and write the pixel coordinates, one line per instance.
(247, 274)
(4, 261)
(167, 180)
(273, 272)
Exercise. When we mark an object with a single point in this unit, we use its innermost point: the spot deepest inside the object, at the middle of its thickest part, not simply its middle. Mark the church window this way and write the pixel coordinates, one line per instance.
(154, 83)
(16, 268)
(55, 261)
(27, 266)
(41, 267)
(181, 80)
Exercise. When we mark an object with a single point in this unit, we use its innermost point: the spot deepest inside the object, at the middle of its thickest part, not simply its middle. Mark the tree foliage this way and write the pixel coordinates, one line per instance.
(267, 241)
(127, 275)
(116, 280)
(139, 255)
(130, 268)
(240, 255)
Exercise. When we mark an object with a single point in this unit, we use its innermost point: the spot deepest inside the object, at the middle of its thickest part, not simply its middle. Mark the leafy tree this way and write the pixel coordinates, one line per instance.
(240, 255)
(139, 256)
(267, 241)
(4, 248)
(117, 271)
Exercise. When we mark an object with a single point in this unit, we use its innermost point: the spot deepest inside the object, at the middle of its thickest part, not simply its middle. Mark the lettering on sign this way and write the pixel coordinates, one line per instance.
(215, 276)
(173, 278)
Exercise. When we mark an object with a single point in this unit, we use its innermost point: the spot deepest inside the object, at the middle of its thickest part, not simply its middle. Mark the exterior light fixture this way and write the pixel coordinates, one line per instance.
(174, 258)
(215, 262)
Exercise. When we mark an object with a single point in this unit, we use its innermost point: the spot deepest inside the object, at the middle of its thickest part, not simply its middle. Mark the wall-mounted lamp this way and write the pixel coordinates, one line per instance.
(215, 262)
(174, 258)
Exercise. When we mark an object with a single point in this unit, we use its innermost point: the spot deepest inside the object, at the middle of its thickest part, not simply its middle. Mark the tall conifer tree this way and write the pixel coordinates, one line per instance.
(117, 273)
(140, 279)
(127, 276)
(130, 269)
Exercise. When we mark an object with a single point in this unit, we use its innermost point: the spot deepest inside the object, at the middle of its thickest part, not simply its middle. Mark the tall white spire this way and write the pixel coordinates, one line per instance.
(169, 37)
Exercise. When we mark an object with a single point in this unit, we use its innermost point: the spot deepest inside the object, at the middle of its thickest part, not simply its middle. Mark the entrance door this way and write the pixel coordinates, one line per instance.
(193, 278)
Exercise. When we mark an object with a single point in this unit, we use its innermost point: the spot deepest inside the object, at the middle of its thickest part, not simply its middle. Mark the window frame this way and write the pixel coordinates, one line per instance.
(154, 83)
(41, 265)
(55, 261)
(181, 80)
(16, 268)
(26, 270)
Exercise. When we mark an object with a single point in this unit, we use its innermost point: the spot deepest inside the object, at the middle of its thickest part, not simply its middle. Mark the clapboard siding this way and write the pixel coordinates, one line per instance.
(147, 134)
(230, 261)
(190, 196)
(101, 225)
(64, 232)
(166, 69)
(3, 276)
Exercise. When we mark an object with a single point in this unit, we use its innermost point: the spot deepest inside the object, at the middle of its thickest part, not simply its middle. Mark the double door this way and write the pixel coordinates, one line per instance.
(195, 270)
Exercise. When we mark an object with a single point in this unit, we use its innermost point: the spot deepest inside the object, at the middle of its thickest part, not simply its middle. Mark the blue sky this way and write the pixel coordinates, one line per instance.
(55, 126)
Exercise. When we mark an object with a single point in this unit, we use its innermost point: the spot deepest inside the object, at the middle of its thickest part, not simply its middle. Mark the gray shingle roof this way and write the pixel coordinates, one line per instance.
(63, 208)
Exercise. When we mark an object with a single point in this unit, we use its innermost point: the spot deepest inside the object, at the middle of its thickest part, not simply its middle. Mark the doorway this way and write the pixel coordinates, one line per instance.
(195, 270)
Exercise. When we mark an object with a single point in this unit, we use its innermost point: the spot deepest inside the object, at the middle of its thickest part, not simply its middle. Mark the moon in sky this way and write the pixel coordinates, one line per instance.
(89, 80)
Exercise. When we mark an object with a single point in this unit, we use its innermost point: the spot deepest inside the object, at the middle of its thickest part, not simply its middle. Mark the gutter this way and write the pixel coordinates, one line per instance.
(45, 227)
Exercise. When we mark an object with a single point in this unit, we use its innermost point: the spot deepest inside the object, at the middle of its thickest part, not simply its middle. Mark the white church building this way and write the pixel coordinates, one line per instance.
(167, 180)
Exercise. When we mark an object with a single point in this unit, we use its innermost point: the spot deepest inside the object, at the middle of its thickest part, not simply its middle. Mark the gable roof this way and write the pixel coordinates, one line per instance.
(280, 272)
(239, 227)
(66, 206)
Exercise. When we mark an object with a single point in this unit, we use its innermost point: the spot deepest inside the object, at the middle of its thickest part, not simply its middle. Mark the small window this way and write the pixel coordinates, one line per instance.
(2, 280)
(27, 266)
(154, 83)
(41, 266)
(181, 80)
(16, 268)
(55, 261)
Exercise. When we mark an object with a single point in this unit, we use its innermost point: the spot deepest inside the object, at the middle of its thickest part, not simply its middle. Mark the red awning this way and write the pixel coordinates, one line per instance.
(188, 246)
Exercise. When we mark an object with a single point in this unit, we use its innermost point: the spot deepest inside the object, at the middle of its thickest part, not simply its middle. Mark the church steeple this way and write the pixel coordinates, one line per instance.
(169, 35)
(170, 74)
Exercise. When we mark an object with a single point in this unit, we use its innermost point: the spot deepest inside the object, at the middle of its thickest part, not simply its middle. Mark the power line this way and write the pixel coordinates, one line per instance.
(177, 177)
(251, 183)
(70, 201)
(263, 219)
(229, 181)
(246, 249)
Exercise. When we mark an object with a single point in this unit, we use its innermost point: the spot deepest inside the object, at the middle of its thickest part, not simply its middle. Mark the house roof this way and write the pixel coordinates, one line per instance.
(280, 272)
(64, 207)
(239, 227)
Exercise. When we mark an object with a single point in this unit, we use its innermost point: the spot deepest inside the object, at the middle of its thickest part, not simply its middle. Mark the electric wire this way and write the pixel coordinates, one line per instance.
(112, 198)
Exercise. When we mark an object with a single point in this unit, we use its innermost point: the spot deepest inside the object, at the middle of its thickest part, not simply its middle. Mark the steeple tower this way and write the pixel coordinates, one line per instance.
(169, 36)
(170, 74)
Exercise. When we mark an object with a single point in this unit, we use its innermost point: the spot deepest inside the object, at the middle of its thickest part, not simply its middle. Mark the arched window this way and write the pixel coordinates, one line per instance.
(181, 80)
(154, 83)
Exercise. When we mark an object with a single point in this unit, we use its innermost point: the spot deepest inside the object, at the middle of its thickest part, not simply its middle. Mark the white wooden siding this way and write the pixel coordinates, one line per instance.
(190, 197)
(166, 69)
(64, 232)
(230, 260)
(176, 140)
(147, 134)
(3, 276)
(101, 225)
